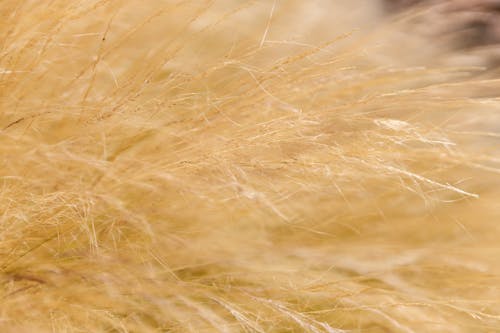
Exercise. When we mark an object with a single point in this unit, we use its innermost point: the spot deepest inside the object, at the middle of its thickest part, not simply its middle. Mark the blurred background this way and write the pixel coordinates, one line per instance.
(469, 25)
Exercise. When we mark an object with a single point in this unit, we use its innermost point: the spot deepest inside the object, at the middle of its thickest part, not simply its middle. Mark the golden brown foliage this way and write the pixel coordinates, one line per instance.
(242, 166)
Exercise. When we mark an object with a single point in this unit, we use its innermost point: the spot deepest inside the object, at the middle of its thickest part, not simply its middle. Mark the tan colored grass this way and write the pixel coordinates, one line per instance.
(222, 166)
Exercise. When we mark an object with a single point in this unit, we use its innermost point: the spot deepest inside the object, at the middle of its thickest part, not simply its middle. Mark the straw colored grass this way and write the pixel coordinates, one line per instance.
(242, 166)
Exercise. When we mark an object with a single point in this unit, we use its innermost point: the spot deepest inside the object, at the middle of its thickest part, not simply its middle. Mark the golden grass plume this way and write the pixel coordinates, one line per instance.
(242, 166)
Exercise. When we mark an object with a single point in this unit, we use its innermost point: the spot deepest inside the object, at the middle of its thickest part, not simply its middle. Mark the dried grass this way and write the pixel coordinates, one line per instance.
(242, 166)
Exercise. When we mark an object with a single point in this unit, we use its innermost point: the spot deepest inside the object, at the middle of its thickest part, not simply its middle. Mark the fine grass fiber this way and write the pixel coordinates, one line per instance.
(243, 166)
